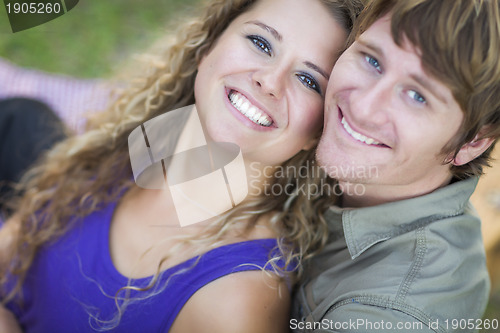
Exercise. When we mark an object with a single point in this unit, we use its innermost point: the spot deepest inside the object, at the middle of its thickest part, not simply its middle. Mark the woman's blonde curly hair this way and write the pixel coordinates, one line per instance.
(85, 172)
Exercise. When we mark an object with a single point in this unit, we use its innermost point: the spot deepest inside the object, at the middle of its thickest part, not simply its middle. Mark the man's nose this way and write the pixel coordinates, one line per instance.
(372, 103)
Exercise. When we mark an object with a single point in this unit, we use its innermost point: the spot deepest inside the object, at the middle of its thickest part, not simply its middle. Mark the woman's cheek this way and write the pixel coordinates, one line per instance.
(311, 120)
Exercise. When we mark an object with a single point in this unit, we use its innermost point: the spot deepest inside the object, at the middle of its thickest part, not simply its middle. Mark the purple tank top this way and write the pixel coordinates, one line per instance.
(75, 277)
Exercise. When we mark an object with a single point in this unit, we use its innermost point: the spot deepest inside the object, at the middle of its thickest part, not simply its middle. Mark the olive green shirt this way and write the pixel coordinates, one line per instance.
(416, 265)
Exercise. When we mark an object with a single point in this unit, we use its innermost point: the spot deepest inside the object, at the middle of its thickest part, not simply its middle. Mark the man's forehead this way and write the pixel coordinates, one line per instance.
(381, 28)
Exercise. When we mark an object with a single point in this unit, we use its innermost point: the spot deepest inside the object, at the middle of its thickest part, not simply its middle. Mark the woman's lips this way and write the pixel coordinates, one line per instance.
(246, 108)
(248, 112)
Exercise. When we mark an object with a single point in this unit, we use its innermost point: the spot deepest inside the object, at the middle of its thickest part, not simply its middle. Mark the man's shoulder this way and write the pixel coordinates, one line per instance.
(434, 271)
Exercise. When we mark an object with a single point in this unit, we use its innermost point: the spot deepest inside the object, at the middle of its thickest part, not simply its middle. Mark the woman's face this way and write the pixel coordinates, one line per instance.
(262, 85)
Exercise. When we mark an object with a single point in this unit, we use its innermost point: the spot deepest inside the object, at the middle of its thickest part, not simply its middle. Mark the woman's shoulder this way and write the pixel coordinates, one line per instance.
(250, 301)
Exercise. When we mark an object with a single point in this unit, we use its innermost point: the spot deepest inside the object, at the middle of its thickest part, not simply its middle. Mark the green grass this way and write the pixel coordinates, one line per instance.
(92, 38)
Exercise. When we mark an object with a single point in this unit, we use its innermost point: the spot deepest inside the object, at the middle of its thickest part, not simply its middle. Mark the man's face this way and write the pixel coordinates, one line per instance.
(386, 120)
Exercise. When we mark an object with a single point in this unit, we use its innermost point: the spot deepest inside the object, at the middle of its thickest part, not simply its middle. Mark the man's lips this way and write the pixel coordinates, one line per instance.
(359, 136)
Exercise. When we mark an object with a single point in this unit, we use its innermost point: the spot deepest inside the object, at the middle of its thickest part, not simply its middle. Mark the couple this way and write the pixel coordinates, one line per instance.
(411, 114)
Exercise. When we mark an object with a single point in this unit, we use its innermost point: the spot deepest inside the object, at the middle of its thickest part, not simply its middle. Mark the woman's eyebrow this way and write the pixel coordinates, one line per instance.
(264, 26)
(317, 69)
(278, 36)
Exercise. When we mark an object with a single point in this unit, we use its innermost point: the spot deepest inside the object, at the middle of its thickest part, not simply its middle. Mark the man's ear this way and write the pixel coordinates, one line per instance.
(473, 149)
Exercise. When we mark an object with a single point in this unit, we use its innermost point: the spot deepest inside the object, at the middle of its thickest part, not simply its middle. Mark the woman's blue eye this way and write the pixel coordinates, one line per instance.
(309, 82)
(417, 97)
(261, 44)
(373, 62)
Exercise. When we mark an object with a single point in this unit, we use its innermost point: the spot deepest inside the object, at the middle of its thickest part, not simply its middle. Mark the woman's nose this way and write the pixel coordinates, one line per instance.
(271, 80)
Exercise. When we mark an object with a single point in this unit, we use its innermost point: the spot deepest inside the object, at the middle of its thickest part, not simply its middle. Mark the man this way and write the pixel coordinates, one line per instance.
(412, 114)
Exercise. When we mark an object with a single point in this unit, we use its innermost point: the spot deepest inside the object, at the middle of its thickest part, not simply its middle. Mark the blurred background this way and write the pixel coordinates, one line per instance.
(90, 40)
(94, 40)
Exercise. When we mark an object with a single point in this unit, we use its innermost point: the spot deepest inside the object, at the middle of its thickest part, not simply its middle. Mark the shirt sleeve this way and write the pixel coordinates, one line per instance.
(359, 318)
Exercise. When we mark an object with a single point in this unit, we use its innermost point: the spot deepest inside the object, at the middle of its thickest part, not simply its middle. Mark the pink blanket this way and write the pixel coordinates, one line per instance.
(69, 97)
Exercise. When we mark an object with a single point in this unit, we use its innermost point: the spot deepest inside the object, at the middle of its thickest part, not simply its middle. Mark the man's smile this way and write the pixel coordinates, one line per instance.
(358, 136)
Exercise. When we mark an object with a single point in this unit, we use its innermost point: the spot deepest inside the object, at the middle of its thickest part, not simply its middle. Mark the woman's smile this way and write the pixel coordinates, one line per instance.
(249, 110)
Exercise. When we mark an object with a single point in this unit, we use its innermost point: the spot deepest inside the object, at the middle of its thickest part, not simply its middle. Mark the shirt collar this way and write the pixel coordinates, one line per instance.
(365, 227)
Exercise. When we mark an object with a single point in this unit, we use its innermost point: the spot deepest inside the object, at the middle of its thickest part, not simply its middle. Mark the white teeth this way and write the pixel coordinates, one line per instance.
(358, 136)
(245, 106)
(252, 111)
(248, 110)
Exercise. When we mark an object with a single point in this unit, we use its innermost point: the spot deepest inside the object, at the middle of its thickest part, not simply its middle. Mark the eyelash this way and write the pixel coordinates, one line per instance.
(373, 62)
(261, 44)
(309, 82)
(264, 46)
(417, 97)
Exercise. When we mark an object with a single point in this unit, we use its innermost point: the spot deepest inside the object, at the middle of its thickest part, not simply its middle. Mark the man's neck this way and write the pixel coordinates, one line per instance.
(376, 194)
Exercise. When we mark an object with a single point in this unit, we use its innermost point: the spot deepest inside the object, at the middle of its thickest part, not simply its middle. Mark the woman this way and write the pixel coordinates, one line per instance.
(84, 246)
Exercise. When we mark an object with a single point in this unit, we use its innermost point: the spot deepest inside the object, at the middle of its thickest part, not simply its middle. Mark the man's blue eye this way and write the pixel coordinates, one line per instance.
(309, 82)
(373, 62)
(417, 97)
(261, 43)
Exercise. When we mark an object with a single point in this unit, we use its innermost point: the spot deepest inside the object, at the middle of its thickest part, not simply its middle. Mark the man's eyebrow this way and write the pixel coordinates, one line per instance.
(429, 86)
(264, 26)
(317, 69)
(379, 52)
(424, 82)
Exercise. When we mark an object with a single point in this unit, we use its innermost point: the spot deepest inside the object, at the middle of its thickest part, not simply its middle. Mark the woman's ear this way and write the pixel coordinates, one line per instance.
(473, 149)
